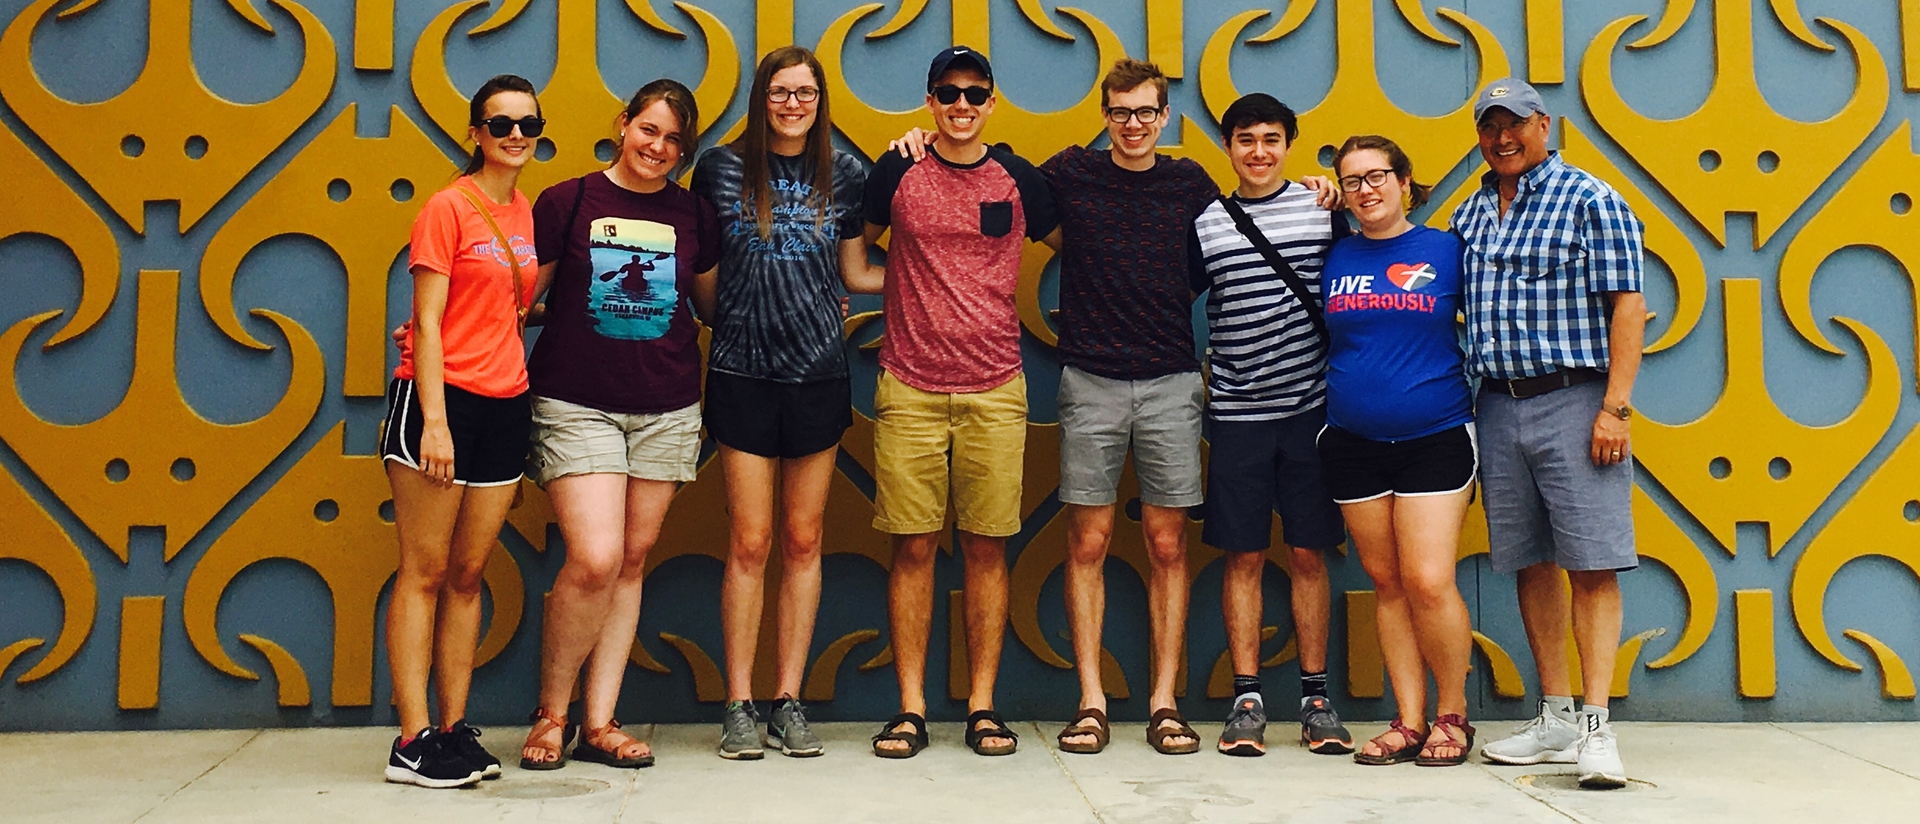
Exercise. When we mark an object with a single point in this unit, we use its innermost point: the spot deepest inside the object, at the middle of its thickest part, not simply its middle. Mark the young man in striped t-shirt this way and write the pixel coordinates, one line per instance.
(1268, 390)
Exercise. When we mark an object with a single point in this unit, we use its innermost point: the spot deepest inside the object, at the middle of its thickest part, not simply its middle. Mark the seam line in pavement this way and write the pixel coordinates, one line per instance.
(203, 774)
(1855, 756)
(1536, 797)
(1040, 736)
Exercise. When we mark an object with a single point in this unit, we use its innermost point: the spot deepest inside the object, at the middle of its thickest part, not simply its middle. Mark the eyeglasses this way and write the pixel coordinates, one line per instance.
(1147, 115)
(804, 94)
(948, 94)
(1375, 179)
(1491, 127)
(501, 125)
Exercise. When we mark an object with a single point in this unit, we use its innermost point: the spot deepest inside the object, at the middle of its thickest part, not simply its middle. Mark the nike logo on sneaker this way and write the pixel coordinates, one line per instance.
(412, 764)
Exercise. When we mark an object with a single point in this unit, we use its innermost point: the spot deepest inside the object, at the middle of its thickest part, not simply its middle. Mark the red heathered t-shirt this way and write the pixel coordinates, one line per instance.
(480, 329)
(953, 263)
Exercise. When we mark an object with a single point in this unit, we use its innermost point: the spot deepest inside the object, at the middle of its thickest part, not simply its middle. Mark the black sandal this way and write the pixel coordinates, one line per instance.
(996, 729)
(916, 737)
(1101, 732)
(1157, 735)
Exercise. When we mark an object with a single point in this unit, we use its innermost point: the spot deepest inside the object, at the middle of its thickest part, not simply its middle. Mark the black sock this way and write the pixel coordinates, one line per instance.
(1313, 683)
(1243, 684)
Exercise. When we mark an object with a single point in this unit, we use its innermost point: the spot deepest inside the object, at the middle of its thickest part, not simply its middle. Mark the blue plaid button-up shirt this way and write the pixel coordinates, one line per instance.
(1536, 280)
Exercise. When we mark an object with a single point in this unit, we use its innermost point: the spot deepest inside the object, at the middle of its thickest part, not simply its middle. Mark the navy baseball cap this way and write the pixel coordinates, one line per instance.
(1508, 93)
(958, 57)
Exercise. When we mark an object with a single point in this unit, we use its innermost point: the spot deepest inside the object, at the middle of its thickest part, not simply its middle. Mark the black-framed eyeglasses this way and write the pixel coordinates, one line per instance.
(501, 125)
(976, 95)
(804, 94)
(1375, 178)
(1147, 115)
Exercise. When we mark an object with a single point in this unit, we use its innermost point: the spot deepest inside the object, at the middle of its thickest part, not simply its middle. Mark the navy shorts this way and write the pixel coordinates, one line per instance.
(1257, 468)
(774, 419)
(1359, 469)
(489, 434)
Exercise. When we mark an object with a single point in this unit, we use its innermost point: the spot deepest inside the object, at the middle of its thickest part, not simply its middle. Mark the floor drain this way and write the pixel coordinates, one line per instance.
(1569, 782)
(518, 787)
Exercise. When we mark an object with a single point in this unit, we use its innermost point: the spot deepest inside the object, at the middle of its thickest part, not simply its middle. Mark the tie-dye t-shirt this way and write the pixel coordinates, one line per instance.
(620, 333)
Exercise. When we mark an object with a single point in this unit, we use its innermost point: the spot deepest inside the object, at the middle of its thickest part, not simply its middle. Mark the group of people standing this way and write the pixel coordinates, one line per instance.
(1336, 392)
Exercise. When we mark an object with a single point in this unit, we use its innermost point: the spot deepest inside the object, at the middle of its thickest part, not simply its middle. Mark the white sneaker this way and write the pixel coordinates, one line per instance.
(1600, 767)
(1547, 739)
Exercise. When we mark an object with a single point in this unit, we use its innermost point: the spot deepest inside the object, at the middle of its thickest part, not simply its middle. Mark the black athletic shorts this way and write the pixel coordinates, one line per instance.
(1358, 469)
(774, 419)
(489, 434)
(1258, 468)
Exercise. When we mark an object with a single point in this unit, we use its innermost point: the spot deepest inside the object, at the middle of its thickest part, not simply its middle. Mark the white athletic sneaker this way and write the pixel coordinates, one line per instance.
(1547, 739)
(1600, 767)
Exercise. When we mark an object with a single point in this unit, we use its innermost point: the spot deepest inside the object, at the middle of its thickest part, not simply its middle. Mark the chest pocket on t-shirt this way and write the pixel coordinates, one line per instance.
(996, 218)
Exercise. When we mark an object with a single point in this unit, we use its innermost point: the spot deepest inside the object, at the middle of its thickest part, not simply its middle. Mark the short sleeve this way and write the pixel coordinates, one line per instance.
(1612, 236)
(1036, 197)
(849, 194)
(707, 230)
(436, 234)
(1198, 278)
(550, 213)
(707, 178)
(882, 182)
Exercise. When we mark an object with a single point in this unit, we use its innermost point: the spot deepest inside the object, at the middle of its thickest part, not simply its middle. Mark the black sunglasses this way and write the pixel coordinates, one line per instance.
(976, 95)
(501, 125)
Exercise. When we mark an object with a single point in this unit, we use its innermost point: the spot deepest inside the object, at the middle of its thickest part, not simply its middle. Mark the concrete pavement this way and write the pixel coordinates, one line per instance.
(1681, 772)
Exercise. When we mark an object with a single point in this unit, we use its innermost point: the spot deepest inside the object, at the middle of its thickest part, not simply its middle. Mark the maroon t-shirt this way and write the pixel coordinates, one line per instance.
(953, 264)
(620, 334)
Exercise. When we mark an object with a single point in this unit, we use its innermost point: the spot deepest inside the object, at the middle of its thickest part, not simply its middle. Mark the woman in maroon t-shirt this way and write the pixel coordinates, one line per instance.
(616, 403)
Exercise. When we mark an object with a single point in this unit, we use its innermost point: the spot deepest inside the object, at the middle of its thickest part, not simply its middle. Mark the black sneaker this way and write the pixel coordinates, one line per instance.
(1320, 727)
(1245, 731)
(427, 761)
(465, 740)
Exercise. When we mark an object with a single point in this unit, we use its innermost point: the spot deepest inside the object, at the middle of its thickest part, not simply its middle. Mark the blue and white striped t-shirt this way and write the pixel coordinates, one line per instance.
(1266, 361)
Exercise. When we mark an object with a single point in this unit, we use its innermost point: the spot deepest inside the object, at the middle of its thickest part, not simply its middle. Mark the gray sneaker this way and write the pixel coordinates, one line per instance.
(1320, 727)
(1599, 758)
(1246, 730)
(787, 730)
(1547, 739)
(740, 732)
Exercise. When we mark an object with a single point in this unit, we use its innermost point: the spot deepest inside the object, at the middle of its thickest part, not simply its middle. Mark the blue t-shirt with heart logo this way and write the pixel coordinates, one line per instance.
(1395, 368)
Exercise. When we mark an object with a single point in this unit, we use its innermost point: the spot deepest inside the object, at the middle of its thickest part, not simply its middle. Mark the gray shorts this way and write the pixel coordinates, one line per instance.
(1545, 499)
(570, 439)
(1160, 417)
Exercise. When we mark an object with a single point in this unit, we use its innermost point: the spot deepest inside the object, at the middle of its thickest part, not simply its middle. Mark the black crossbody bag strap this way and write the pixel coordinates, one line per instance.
(1279, 264)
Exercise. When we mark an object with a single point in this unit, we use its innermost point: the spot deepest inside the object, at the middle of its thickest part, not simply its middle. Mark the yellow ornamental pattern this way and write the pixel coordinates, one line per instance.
(292, 485)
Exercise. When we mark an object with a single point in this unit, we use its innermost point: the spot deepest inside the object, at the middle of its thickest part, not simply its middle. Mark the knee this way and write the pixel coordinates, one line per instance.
(1089, 545)
(465, 583)
(589, 572)
(1244, 564)
(748, 549)
(1428, 589)
(984, 553)
(1167, 550)
(422, 575)
(1592, 583)
(1307, 564)
(800, 543)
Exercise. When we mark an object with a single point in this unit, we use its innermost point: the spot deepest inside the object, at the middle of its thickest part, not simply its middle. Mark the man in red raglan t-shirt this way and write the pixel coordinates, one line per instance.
(951, 379)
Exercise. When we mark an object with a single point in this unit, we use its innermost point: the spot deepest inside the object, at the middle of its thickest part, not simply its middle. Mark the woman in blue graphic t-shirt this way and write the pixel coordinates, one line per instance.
(1398, 447)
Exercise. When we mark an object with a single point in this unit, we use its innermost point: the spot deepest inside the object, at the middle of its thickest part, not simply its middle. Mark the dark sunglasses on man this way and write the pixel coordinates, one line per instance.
(501, 125)
(976, 95)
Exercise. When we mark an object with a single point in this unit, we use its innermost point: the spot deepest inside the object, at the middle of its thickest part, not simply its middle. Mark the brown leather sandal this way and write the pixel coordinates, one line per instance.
(1157, 735)
(543, 723)
(1101, 733)
(591, 747)
(1411, 741)
(1449, 725)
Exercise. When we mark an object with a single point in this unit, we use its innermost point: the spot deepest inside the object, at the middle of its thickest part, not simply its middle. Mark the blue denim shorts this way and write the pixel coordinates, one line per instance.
(1545, 499)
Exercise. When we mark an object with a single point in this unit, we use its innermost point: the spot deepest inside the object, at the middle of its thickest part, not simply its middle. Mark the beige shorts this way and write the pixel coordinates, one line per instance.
(570, 439)
(913, 431)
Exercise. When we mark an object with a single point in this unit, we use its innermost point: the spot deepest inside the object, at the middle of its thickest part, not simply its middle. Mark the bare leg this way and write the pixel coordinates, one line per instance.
(424, 513)
(646, 511)
(1544, 613)
(1090, 531)
(1372, 526)
(1596, 630)
(910, 614)
(750, 480)
(1428, 533)
(1312, 605)
(803, 491)
(1241, 606)
(986, 599)
(1165, 530)
(457, 632)
(591, 510)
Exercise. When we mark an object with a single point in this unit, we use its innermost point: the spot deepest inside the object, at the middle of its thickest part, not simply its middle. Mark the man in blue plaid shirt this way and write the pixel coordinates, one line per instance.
(1554, 325)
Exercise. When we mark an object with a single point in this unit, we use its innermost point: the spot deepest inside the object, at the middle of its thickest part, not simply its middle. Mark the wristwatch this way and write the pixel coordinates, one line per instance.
(1623, 411)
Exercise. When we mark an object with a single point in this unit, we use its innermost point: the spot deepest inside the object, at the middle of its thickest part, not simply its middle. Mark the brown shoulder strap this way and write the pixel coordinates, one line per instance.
(513, 260)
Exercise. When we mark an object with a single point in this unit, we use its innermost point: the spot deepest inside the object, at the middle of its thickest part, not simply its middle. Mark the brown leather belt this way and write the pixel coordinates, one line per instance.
(1542, 384)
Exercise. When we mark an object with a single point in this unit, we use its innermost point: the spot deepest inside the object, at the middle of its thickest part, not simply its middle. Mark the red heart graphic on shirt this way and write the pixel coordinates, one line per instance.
(1410, 277)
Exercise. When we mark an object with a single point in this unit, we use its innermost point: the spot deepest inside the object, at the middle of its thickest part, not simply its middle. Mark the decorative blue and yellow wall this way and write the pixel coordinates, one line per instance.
(202, 241)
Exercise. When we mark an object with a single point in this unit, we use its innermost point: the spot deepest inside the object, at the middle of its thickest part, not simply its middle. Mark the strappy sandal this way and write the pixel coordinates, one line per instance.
(587, 750)
(1157, 735)
(1101, 733)
(977, 735)
(538, 718)
(1447, 725)
(1411, 744)
(915, 736)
